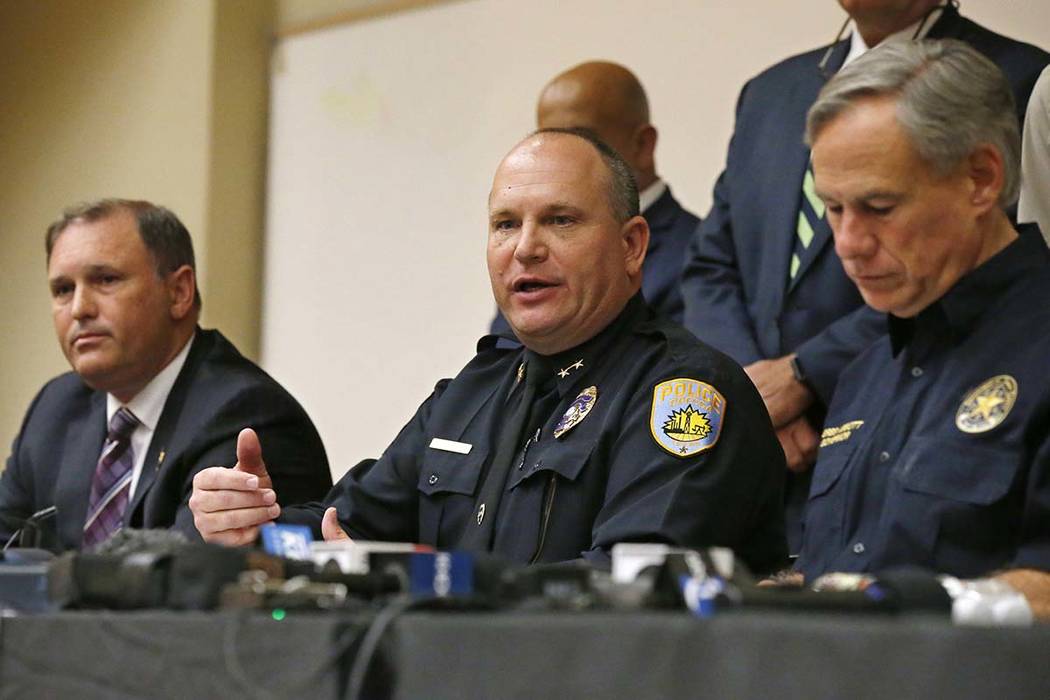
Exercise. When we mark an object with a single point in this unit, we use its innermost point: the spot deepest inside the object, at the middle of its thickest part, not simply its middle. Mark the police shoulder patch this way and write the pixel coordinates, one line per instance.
(988, 405)
(686, 417)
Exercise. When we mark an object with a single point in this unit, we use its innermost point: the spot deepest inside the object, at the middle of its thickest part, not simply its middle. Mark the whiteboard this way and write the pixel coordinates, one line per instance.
(384, 135)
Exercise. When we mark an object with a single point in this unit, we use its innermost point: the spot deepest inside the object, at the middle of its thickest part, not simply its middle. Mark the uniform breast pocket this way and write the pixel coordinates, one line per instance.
(550, 503)
(831, 462)
(447, 484)
(965, 473)
(955, 502)
(565, 459)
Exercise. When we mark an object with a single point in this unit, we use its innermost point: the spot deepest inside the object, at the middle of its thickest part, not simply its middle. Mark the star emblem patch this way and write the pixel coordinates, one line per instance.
(988, 405)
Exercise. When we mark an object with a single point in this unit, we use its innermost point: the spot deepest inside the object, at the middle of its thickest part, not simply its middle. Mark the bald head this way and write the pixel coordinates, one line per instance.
(607, 99)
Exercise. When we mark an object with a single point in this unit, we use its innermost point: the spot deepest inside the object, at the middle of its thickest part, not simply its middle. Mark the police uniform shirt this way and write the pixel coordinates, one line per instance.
(653, 437)
(936, 450)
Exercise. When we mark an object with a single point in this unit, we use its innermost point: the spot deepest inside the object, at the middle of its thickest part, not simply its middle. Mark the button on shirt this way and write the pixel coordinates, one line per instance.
(928, 456)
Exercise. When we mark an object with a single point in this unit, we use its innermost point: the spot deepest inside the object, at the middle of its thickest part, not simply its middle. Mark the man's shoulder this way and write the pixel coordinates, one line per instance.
(800, 65)
(674, 349)
(667, 213)
(992, 43)
(217, 363)
(66, 391)
(218, 379)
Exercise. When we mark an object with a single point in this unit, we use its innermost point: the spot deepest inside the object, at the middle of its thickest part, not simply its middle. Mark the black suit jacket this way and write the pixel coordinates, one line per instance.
(735, 284)
(217, 393)
(671, 228)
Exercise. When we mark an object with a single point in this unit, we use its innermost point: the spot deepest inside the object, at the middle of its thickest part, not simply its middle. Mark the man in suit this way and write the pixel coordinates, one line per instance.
(762, 281)
(608, 99)
(125, 307)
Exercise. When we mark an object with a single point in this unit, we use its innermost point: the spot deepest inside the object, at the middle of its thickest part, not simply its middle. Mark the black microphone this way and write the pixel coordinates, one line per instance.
(36, 531)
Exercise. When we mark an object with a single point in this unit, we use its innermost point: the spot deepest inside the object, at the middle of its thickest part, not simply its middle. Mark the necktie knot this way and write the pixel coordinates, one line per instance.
(539, 373)
(122, 425)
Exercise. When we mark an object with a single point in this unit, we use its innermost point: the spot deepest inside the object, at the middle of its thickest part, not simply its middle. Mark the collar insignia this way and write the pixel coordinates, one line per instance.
(578, 364)
(988, 405)
(577, 410)
(686, 417)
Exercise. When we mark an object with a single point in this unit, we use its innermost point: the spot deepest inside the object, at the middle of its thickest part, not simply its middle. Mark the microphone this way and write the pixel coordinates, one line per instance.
(36, 531)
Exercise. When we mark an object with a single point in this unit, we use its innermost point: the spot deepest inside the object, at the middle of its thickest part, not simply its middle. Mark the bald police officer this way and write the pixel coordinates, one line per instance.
(612, 424)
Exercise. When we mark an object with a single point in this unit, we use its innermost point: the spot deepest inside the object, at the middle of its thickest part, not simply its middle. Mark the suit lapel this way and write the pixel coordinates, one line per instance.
(84, 438)
(808, 92)
(167, 444)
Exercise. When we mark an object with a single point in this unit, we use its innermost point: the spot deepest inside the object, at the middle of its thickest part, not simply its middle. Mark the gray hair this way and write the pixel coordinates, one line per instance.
(622, 187)
(950, 100)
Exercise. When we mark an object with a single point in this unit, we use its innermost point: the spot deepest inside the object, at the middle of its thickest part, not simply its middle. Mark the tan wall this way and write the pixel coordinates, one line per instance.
(163, 100)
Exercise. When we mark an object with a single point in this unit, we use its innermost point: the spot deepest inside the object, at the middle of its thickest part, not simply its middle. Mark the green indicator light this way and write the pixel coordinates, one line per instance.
(278, 614)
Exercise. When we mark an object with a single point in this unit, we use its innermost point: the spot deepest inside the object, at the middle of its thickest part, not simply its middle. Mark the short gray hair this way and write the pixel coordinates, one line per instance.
(950, 100)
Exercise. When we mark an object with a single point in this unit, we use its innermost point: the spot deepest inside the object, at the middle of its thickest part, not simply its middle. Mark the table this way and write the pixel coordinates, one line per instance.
(433, 655)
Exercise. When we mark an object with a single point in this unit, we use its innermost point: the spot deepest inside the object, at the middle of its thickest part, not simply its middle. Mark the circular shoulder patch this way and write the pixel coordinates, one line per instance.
(988, 405)
(686, 417)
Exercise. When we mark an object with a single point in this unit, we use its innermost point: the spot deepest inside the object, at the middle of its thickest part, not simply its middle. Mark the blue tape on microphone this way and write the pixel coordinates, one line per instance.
(441, 574)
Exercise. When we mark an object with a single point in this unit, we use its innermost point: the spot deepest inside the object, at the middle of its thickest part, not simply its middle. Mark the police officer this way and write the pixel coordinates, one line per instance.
(611, 424)
(936, 450)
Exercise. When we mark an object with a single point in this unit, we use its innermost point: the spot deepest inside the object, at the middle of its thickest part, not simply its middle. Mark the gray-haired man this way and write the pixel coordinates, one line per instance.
(936, 450)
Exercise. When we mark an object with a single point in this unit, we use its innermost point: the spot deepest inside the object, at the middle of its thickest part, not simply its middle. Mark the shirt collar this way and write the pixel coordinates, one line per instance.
(961, 306)
(572, 366)
(648, 196)
(148, 404)
(857, 47)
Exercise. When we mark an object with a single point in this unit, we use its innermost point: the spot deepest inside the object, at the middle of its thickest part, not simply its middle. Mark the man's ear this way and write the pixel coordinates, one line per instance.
(645, 147)
(986, 174)
(182, 288)
(635, 234)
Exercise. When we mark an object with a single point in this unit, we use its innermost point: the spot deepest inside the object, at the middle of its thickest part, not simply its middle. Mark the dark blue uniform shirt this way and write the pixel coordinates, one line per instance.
(606, 480)
(936, 450)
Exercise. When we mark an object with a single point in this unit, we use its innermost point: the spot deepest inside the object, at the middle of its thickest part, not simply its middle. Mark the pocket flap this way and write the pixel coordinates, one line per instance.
(959, 471)
(450, 472)
(567, 459)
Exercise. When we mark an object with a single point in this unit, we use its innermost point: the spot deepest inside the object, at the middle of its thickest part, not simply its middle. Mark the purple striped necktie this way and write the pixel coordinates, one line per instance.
(111, 484)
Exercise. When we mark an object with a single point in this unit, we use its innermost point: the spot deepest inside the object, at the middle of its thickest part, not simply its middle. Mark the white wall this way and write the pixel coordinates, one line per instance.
(384, 137)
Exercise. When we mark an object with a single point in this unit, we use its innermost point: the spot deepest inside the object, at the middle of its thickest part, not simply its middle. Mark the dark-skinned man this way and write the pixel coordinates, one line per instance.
(612, 424)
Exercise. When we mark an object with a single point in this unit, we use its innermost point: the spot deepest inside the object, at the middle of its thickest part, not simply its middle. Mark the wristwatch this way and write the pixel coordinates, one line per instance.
(796, 370)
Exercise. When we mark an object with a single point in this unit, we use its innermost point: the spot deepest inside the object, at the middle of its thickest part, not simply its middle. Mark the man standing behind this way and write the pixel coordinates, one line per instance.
(608, 99)
(937, 450)
(125, 307)
(762, 282)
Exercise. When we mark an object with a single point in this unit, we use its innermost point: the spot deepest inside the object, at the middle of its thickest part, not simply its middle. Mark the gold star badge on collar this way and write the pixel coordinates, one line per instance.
(563, 373)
